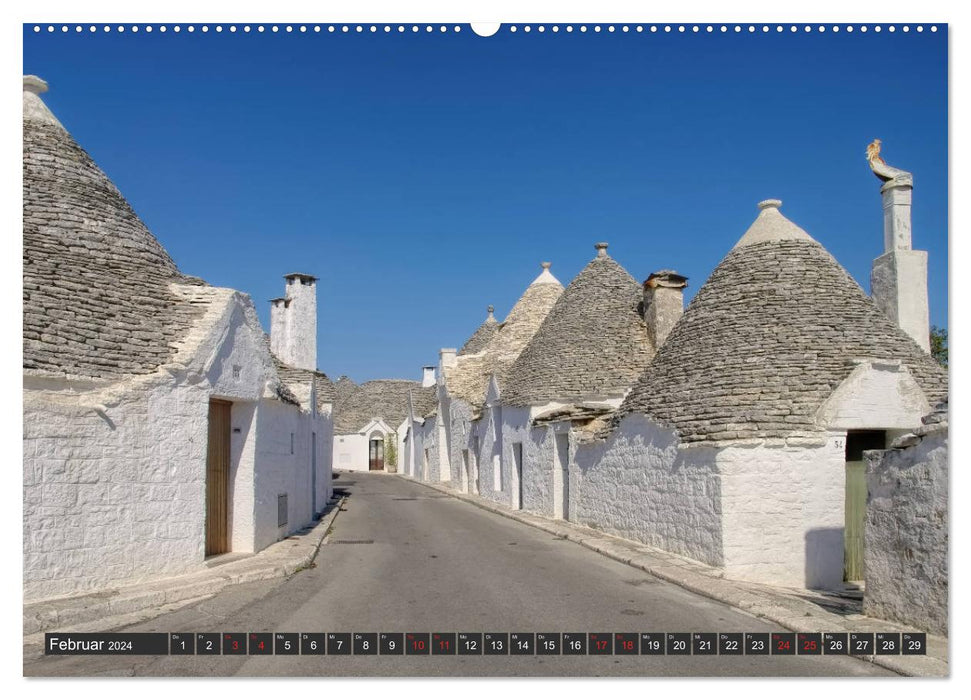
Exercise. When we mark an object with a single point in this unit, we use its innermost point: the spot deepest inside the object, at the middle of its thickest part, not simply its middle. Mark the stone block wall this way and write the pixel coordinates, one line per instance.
(906, 538)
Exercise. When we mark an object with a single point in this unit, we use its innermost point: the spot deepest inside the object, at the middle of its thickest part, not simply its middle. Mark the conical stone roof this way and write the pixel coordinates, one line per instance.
(97, 298)
(525, 317)
(469, 378)
(479, 340)
(381, 398)
(774, 331)
(592, 344)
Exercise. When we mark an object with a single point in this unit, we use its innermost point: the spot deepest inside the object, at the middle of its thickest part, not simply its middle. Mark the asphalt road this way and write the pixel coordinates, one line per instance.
(405, 558)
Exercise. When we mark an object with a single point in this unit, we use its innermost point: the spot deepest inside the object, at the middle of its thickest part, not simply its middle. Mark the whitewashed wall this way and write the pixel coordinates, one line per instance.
(640, 486)
(493, 479)
(114, 475)
(351, 452)
(461, 432)
(537, 460)
(906, 542)
(115, 496)
(431, 450)
(783, 512)
(324, 427)
(279, 470)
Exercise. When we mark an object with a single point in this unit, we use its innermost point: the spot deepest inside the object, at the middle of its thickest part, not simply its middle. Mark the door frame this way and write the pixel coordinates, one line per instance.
(218, 465)
(376, 453)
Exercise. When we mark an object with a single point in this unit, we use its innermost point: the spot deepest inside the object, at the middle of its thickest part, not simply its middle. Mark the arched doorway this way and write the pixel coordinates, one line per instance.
(376, 452)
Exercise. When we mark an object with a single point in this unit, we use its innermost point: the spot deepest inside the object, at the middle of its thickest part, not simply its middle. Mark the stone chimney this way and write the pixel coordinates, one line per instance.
(447, 357)
(898, 279)
(293, 322)
(427, 376)
(663, 303)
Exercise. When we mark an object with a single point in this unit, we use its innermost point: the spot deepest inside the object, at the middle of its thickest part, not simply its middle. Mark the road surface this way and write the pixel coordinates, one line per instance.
(405, 558)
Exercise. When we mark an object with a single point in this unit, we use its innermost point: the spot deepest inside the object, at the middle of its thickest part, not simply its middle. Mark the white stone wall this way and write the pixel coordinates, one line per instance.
(425, 466)
(460, 434)
(489, 432)
(876, 395)
(640, 486)
(906, 542)
(431, 448)
(324, 427)
(299, 348)
(783, 512)
(114, 475)
(351, 453)
(537, 450)
(282, 467)
(112, 493)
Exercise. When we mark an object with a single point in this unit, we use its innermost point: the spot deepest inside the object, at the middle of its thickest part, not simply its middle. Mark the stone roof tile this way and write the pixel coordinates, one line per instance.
(97, 297)
(772, 333)
(592, 344)
(478, 341)
(294, 376)
(381, 398)
(469, 378)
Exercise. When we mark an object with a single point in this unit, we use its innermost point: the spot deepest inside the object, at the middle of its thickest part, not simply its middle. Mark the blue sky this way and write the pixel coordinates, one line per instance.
(424, 176)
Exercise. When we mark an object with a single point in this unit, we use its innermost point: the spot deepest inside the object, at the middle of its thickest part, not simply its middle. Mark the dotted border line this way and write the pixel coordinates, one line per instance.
(511, 28)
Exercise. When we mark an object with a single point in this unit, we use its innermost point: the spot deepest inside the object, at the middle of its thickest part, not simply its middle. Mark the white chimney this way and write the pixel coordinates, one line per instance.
(663, 303)
(427, 376)
(293, 322)
(447, 357)
(898, 278)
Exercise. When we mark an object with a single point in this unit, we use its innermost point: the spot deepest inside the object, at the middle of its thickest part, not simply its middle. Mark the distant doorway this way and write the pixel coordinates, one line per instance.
(217, 478)
(857, 441)
(376, 454)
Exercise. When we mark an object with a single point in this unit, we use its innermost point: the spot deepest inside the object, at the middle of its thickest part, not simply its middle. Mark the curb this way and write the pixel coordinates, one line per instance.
(699, 578)
(142, 601)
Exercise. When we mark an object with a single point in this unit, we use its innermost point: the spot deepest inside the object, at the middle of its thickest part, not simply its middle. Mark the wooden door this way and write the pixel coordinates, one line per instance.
(855, 521)
(854, 524)
(376, 455)
(217, 478)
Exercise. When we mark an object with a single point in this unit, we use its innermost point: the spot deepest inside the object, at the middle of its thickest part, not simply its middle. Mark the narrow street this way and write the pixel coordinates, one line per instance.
(404, 558)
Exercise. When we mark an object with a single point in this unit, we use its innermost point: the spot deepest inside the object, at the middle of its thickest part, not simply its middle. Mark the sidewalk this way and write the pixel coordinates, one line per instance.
(127, 605)
(797, 610)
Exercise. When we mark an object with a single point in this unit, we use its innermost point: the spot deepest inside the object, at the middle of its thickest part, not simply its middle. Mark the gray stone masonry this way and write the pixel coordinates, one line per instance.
(771, 334)
(382, 398)
(96, 294)
(906, 545)
(593, 343)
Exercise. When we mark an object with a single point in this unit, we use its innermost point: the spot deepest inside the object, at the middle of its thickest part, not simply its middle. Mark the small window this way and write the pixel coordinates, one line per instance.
(291, 443)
